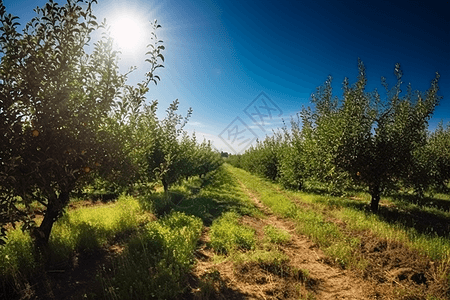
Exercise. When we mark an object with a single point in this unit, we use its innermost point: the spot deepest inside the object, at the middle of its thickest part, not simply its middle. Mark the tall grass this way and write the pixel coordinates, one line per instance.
(89, 228)
(16, 260)
(270, 197)
(434, 246)
(155, 262)
(276, 235)
(83, 229)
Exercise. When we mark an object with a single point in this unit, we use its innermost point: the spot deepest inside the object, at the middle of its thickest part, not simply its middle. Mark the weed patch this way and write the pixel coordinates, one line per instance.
(276, 235)
(156, 261)
(228, 235)
(85, 230)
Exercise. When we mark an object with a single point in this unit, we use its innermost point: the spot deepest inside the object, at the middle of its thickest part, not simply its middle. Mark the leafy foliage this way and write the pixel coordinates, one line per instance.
(54, 97)
(69, 118)
(379, 138)
(170, 154)
(432, 162)
(56, 103)
(263, 158)
(362, 139)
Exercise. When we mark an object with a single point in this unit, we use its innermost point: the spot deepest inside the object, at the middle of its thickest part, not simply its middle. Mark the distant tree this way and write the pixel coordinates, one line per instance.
(263, 158)
(205, 159)
(55, 103)
(439, 145)
(432, 162)
(164, 158)
(235, 160)
(371, 139)
(321, 135)
(291, 165)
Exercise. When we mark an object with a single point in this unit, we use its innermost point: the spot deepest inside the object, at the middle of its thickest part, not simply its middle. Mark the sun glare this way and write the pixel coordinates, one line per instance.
(129, 33)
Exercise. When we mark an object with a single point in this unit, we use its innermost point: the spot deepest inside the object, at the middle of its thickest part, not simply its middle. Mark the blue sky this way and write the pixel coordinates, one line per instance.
(221, 55)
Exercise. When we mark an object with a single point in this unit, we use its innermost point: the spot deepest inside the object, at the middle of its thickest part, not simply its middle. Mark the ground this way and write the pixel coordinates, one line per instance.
(392, 272)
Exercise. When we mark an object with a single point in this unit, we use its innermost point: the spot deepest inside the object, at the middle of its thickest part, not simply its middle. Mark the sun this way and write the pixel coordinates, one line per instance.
(129, 33)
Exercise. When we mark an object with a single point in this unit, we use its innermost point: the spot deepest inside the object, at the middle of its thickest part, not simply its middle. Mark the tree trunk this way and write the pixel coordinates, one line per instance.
(165, 185)
(375, 192)
(41, 234)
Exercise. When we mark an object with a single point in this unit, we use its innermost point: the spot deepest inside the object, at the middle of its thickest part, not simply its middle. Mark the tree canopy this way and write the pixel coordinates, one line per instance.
(363, 139)
(56, 100)
(68, 117)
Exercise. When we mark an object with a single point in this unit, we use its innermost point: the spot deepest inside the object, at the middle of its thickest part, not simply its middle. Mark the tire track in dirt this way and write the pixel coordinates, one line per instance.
(396, 271)
(226, 280)
(332, 282)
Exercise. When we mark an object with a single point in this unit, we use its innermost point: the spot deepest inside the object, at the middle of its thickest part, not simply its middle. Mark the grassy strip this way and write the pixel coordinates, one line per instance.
(311, 221)
(236, 242)
(155, 262)
(206, 198)
(276, 235)
(227, 235)
(88, 229)
(431, 244)
(84, 229)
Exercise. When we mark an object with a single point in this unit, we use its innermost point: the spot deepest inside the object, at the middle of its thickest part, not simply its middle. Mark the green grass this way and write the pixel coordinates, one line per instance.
(83, 230)
(206, 198)
(278, 203)
(434, 246)
(155, 262)
(88, 229)
(309, 221)
(276, 235)
(16, 257)
(273, 261)
(314, 214)
(228, 235)
(158, 255)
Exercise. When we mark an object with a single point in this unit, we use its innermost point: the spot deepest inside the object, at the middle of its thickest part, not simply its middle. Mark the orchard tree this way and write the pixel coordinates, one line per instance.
(378, 138)
(263, 158)
(55, 103)
(292, 167)
(321, 136)
(432, 162)
(164, 157)
(439, 148)
(205, 159)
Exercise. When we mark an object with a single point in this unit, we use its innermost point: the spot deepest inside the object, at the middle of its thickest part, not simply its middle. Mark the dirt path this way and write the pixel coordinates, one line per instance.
(251, 281)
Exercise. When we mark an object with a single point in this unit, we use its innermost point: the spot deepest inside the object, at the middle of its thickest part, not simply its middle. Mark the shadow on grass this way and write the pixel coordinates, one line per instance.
(422, 221)
(427, 201)
(95, 196)
(206, 198)
(426, 216)
(211, 285)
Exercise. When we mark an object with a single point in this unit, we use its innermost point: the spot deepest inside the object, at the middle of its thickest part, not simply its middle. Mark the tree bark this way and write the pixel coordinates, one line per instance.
(165, 185)
(375, 192)
(41, 235)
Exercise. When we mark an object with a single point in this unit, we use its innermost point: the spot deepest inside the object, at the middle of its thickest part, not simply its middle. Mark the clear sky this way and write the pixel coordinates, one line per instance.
(221, 55)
